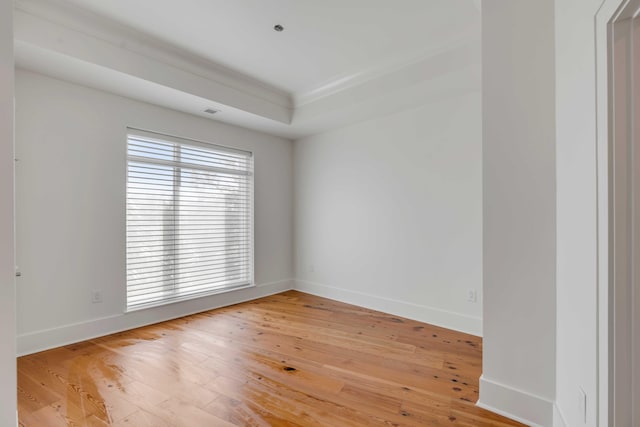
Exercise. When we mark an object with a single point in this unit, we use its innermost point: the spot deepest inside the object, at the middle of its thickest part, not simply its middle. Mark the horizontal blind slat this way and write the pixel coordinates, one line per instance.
(174, 258)
(147, 272)
(140, 151)
(175, 285)
(200, 237)
(212, 275)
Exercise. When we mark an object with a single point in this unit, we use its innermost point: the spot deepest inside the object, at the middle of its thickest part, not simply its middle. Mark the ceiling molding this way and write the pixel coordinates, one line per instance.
(450, 73)
(36, 59)
(95, 26)
(348, 81)
(60, 41)
(31, 30)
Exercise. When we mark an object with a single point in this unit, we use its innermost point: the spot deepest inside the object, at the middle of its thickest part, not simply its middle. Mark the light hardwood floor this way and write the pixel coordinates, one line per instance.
(287, 360)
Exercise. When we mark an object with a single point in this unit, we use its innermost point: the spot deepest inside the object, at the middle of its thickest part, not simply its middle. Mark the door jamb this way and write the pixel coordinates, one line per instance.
(610, 13)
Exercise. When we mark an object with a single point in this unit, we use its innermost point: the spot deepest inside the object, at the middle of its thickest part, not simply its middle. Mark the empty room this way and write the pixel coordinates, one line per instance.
(319, 213)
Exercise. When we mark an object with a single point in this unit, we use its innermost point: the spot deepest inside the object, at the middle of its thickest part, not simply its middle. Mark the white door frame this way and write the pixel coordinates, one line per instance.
(617, 41)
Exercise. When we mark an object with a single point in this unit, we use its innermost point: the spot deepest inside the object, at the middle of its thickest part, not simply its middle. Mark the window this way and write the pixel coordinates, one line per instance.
(189, 219)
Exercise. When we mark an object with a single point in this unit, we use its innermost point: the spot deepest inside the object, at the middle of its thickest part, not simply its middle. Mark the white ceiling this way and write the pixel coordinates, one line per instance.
(325, 42)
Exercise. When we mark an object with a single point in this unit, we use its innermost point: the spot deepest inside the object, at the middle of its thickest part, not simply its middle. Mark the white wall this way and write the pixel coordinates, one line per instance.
(7, 283)
(70, 189)
(519, 208)
(576, 211)
(388, 213)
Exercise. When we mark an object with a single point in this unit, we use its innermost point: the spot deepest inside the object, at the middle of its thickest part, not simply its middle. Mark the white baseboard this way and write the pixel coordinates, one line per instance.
(558, 419)
(529, 409)
(34, 342)
(446, 319)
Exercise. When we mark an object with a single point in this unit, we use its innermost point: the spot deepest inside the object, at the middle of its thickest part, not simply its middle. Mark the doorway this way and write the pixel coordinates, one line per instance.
(624, 215)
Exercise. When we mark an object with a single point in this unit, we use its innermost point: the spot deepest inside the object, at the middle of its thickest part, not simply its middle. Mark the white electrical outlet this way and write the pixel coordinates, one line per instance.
(472, 295)
(96, 296)
(582, 405)
(312, 268)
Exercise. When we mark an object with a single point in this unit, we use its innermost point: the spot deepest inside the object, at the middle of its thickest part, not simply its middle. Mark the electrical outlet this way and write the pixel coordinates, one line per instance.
(472, 295)
(96, 297)
(582, 405)
(312, 268)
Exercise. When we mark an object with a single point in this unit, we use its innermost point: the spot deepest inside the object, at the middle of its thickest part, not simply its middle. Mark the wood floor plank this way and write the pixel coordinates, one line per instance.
(33, 395)
(290, 359)
(143, 418)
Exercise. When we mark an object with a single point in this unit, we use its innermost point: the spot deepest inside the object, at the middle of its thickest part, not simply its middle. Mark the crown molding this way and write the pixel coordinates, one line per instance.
(32, 58)
(59, 47)
(416, 80)
(348, 81)
(60, 41)
(93, 25)
(123, 37)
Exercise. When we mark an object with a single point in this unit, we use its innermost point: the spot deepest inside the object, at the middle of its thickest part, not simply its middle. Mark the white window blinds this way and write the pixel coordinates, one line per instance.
(189, 219)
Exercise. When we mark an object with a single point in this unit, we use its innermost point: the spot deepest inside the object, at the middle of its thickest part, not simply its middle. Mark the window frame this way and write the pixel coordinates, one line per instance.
(189, 142)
